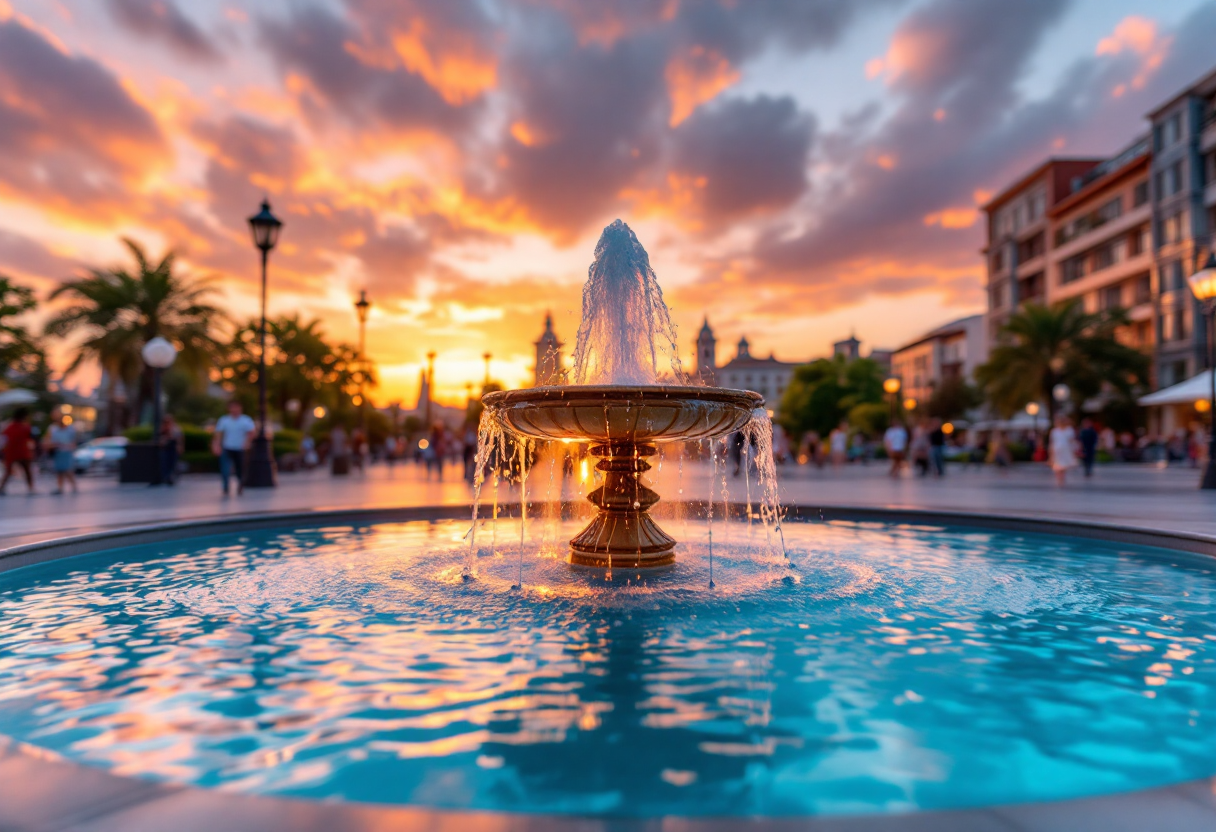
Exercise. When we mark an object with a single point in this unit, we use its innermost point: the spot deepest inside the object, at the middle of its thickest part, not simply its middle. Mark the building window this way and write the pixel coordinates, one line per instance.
(1108, 211)
(1030, 249)
(1072, 269)
(998, 260)
(1140, 193)
(1169, 131)
(1112, 297)
(998, 295)
(1169, 181)
(1137, 241)
(1172, 277)
(1171, 228)
(1143, 289)
(1174, 325)
(1105, 256)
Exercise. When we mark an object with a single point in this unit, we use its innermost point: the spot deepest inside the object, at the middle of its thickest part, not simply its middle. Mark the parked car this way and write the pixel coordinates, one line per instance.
(101, 454)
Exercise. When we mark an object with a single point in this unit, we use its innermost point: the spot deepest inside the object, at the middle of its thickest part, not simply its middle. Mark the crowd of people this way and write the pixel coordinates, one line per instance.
(922, 447)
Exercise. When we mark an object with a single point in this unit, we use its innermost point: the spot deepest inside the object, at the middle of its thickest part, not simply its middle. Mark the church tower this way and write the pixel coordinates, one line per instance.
(548, 356)
(706, 354)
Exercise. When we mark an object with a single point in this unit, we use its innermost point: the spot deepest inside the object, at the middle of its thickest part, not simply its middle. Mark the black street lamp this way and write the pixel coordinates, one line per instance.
(1203, 285)
(158, 354)
(362, 307)
(265, 227)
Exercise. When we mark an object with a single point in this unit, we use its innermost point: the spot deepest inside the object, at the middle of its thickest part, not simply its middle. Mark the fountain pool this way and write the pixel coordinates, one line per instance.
(897, 668)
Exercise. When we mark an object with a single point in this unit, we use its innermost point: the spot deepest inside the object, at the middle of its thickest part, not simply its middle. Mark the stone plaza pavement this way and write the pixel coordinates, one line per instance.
(1141, 495)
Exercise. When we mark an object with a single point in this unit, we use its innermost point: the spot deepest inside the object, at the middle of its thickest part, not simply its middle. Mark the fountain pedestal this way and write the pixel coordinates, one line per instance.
(623, 533)
(624, 425)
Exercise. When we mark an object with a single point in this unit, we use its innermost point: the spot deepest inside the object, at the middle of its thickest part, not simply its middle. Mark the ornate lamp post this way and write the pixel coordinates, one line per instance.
(891, 388)
(487, 356)
(159, 354)
(1203, 285)
(362, 307)
(265, 228)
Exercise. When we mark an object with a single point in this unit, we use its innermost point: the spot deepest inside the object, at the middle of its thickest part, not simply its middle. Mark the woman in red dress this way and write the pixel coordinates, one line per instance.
(18, 448)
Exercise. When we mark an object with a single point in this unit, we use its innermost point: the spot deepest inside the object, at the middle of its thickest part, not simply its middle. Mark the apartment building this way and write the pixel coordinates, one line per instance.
(951, 351)
(1019, 235)
(1101, 242)
(1184, 219)
(1125, 231)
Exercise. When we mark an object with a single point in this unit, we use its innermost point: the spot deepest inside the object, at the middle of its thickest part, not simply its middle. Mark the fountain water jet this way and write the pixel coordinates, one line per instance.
(626, 350)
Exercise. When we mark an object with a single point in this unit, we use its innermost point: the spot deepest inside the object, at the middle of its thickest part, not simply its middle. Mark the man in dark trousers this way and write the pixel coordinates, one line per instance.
(1088, 437)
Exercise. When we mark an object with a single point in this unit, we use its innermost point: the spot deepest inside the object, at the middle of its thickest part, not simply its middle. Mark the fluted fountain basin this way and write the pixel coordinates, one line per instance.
(624, 424)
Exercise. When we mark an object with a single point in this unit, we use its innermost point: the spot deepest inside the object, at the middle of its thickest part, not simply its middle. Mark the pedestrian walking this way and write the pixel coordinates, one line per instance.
(838, 444)
(232, 437)
(937, 448)
(895, 440)
(1088, 438)
(1063, 448)
(470, 453)
(63, 440)
(918, 449)
(18, 448)
(438, 448)
(172, 446)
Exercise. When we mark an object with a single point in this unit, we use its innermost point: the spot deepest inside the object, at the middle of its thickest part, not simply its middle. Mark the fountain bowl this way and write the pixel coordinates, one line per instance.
(623, 424)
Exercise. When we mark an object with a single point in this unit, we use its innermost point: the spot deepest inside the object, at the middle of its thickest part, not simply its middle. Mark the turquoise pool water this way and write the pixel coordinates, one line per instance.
(894, 669)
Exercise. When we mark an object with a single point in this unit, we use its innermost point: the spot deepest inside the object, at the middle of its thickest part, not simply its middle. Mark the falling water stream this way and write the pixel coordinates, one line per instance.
(626, 337)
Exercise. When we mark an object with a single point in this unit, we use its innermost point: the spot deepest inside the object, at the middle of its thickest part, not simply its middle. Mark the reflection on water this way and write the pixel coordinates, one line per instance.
(895, 668)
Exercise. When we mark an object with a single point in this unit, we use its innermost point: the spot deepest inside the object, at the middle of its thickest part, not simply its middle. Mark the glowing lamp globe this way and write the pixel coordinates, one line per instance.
(159, 353)
(1060, 393)
(1032, 409)
(891, 385)
(1203, 282)
(1202, 405)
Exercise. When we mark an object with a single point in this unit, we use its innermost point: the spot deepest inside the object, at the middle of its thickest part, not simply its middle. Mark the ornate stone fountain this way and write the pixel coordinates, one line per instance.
(624, 425)
(622, 403)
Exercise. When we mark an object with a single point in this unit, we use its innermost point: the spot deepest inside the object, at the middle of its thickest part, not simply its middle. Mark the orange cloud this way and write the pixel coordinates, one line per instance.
(1140, 37)
(455, 68)
(952, 218)
(695, 77)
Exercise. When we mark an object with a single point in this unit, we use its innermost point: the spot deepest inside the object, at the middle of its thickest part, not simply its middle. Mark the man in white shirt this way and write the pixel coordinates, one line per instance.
(233, 435)
(895, 440)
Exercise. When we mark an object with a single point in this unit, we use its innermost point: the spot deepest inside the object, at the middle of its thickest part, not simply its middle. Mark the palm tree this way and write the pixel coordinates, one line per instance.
(19, 351)
(301, 366)
(1047, 345)
(120, 310)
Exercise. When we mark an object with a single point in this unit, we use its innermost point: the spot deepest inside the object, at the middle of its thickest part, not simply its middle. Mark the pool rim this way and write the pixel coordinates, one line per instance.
(42, 790)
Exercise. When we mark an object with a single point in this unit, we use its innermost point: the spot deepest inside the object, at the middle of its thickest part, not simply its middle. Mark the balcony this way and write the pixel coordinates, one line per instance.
(1207, 138)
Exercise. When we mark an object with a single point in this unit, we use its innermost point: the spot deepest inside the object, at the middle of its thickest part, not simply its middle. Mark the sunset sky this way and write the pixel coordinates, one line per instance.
(797, 170)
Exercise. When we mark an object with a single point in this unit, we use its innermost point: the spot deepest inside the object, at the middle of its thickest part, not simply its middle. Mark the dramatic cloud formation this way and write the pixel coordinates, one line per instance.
(73, 137)
(162, 20)
(792, 173)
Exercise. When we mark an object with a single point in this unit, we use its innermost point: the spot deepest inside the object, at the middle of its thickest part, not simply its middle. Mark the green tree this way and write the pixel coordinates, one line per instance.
(821, 394)
(20, 351)
(1042, 346)
(953, 398)
(301, 367)
(119, 310)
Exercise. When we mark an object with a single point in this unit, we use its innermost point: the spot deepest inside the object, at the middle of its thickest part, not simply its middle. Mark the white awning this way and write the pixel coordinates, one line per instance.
(17, 396)
(1188, 392)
